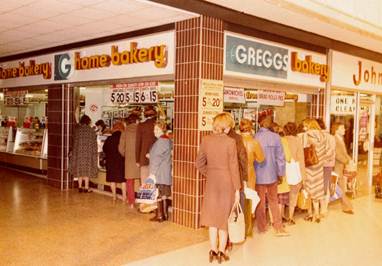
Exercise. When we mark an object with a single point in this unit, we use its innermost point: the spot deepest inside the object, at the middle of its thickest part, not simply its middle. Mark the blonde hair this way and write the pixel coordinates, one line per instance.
(246, 125)
(222, 121)
(311, 124)
(162, 125)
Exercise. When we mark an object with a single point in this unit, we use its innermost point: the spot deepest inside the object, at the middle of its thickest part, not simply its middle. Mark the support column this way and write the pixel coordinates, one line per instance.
(199, 55)
(60, 129)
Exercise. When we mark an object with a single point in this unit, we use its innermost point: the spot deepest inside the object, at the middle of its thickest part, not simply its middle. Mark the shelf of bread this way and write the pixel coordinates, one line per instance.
(31, 142)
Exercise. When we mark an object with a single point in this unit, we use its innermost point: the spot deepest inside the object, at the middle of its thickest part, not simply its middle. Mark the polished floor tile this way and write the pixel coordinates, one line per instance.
(40, 225)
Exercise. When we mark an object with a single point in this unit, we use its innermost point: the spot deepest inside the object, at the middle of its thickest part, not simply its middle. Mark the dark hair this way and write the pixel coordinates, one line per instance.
(321, 123)
(290, 129)
(335, 127)
(100, 123)
(85, 120)
(132, 118)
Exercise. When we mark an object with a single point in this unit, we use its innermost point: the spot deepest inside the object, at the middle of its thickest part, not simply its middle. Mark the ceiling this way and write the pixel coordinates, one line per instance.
(28, 25)
(313, 16)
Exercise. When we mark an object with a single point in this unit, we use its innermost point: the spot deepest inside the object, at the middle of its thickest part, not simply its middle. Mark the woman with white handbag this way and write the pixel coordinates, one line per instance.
(217, 160)
(295, 170)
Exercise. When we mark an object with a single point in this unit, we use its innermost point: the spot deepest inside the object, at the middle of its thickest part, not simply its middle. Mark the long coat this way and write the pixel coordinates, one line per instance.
(160, 161)
(84, 154)
(254, 153)
(342, 157)
(217, 160)
(241, 155)
(144, 141)
(115, 163)
(127, 149)
(314, 181)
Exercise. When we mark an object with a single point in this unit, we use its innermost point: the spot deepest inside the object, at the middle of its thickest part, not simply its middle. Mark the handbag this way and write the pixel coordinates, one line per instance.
(303, 200)
(310, 156)
(236, 224)
(293, 173)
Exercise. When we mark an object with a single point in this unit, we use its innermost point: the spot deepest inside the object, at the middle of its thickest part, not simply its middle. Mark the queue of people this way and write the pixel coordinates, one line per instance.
(269, 154)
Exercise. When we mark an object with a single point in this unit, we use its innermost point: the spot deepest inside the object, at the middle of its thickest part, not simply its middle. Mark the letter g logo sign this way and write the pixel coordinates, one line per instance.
(62, 66)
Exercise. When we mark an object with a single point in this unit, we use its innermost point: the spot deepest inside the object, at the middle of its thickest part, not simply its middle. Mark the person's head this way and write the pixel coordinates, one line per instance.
(150, 111)
(277, 129)
(338, 128)
(85, 120)
(311, 124)
(132, 119)
(100, 124)
(265, 121)
(118, 126)
(222, 123)
(290, 129)
(160, 128)
(246, 125)
(321, 123)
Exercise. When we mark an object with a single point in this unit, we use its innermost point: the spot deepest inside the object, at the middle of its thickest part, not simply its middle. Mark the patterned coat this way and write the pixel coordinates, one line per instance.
(84, 154)
(314, 182)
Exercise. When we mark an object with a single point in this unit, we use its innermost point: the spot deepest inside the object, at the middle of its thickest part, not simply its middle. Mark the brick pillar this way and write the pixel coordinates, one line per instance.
(60, 129)
(199, 55)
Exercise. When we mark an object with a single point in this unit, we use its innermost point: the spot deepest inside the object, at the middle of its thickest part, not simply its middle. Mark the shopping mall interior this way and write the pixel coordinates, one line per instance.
(79, 77)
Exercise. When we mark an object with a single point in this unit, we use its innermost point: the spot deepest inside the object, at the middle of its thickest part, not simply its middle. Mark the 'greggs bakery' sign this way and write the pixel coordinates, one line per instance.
(150, 55)
(354, 72)
(307, 65)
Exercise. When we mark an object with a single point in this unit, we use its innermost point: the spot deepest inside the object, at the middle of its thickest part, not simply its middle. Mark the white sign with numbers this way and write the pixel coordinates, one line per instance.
(128, 93)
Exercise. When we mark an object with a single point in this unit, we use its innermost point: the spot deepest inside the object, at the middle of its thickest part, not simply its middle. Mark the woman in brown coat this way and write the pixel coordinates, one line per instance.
(127, 149)
(217, 160)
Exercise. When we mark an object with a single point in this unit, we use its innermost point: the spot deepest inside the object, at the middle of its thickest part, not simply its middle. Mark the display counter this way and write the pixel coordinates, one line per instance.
(24, 149)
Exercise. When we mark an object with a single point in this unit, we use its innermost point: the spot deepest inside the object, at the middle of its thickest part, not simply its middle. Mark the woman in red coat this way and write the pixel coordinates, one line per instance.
(217, 160)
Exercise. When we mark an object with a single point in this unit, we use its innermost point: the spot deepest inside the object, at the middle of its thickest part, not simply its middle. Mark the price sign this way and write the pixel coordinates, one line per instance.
(140, 92)
(210, 102)
(15, 97)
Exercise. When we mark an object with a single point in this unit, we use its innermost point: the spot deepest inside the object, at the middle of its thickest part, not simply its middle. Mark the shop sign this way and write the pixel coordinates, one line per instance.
(150, 55)
(15, 97)
(250, 96)
(342, 104)
(273, 98)
(234, 95)
(250, 57)
(354, 72)
(133, 93)
(210, 102)
(249, 114)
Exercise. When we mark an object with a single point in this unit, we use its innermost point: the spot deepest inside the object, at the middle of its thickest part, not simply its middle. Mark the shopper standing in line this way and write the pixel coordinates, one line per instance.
(144, 140)
(254, 153)
(127, 149)
(314, 182)
(84, 153)
(160, 170)
(217, 160)
(329, 164)
(297, 154)
(115, 163)
(268, 175)
(342, 159)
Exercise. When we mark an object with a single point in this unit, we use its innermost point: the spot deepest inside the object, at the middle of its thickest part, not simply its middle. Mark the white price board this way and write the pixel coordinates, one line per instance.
(273, 98)
(139, 92)
(234, 95)
(210, 102)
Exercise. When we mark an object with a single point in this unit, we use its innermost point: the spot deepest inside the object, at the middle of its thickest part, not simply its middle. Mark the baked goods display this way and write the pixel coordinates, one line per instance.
(4, 132)
(29, 141)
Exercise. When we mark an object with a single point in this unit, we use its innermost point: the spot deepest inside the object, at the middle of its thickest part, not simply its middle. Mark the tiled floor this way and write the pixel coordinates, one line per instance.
(40, 225)
(338, 240)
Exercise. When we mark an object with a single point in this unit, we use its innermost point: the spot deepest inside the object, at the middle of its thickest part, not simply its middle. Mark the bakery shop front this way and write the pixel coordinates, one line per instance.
(105, 81)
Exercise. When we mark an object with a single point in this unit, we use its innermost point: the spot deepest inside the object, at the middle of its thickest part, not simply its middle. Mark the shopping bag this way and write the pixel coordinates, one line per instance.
(337, 195)
(236, 224)
(333, 183)
(303, 200)
(253, 196)
(293, 173)
(147, 192)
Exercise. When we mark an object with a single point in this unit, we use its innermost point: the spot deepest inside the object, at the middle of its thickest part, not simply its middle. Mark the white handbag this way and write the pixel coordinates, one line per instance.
(293, 172)
(236, 224)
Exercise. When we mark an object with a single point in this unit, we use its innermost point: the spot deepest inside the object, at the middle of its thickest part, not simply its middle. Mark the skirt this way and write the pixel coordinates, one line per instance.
(164, 190)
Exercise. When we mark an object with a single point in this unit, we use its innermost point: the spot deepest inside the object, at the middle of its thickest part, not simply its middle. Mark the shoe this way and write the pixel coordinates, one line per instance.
(284, 220)
(80, 190)
(221, 256)
(308, 218)
(349, 212)
(212, 255)
(85, 190)
(158, 213)
(281, 232)
(317, 220)
(291, 222)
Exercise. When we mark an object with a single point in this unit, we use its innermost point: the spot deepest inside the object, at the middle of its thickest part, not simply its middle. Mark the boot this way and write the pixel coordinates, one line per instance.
(158, 213)
(166, 205)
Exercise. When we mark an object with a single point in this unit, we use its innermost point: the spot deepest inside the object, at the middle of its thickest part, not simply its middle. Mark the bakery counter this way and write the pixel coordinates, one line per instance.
(24, 162)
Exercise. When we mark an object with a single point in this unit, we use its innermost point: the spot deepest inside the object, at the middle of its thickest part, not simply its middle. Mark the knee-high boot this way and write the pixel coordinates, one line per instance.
(159, 217)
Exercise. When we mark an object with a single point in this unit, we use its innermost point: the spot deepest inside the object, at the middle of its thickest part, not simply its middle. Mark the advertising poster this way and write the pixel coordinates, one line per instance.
(210, 102)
